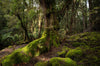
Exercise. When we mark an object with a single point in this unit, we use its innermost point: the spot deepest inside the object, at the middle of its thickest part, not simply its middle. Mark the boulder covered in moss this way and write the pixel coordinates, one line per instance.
(75, 54)
(16, 57)
(57, 61)
(41, 64)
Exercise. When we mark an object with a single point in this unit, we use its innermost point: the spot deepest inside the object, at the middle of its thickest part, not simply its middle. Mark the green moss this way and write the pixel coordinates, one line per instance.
(91, 60)
(63, 52)
(16, 57)
(91, 36)
(10, 46)
(24, 54)
(41, 64)
(74, 38)
(57, 61)
(54, 39)
(76, 44)
(66, 48)
(75, 53)
(34, 48)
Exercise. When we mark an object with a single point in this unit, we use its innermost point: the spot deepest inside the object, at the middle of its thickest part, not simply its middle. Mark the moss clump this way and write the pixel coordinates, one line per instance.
(90, 60)
(57, 61)
(74, 38)
(41, 64)
(16, 57)
(75, 54)
(54, 39)
(76, 44)
(10, 46)
(63, 52)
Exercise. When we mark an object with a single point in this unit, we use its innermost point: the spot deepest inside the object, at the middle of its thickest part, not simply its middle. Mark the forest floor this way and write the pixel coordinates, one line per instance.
(43, 57)
(10, 49)
(82, 48)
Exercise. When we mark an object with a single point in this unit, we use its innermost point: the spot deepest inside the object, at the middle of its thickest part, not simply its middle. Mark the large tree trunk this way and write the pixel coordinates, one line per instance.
(50, 24)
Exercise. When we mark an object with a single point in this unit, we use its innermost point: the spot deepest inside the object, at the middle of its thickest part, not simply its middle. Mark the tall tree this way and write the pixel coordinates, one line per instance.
(18, 9)
(51, 22)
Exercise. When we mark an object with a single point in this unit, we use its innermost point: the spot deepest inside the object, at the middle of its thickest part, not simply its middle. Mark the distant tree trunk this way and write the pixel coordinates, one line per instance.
(94, 14)
(40, 24)
(85, 16)
(90, 15)
(72, 16)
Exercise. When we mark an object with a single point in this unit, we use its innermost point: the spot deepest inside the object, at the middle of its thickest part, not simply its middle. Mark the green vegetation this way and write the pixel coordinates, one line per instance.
(63, 52)
(57, 61)
(24, 54)
(50, 32)
(41, 64)
(75, 54)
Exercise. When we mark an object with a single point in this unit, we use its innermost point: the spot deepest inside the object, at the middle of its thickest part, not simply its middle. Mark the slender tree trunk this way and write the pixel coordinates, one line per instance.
(72, 16)
(40, 24)
(84, 22)
(90, 14)
(23, 27)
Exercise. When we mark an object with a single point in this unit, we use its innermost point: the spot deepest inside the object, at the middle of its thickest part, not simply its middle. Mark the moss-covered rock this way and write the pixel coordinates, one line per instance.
(90, 60)
(41, 64)
(16, 57)
(74, 54)
(57, 61)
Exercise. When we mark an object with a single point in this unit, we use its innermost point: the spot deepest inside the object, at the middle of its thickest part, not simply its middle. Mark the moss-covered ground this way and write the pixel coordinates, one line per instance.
(77, 50)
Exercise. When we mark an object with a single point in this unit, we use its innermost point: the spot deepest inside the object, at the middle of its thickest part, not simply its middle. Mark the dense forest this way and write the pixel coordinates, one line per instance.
(49, 32)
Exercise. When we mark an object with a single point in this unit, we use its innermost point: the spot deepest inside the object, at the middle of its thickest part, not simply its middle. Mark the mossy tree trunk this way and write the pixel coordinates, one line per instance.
(50, 22)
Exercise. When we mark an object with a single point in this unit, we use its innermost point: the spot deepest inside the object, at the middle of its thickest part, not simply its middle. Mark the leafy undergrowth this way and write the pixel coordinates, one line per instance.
(78, 50)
